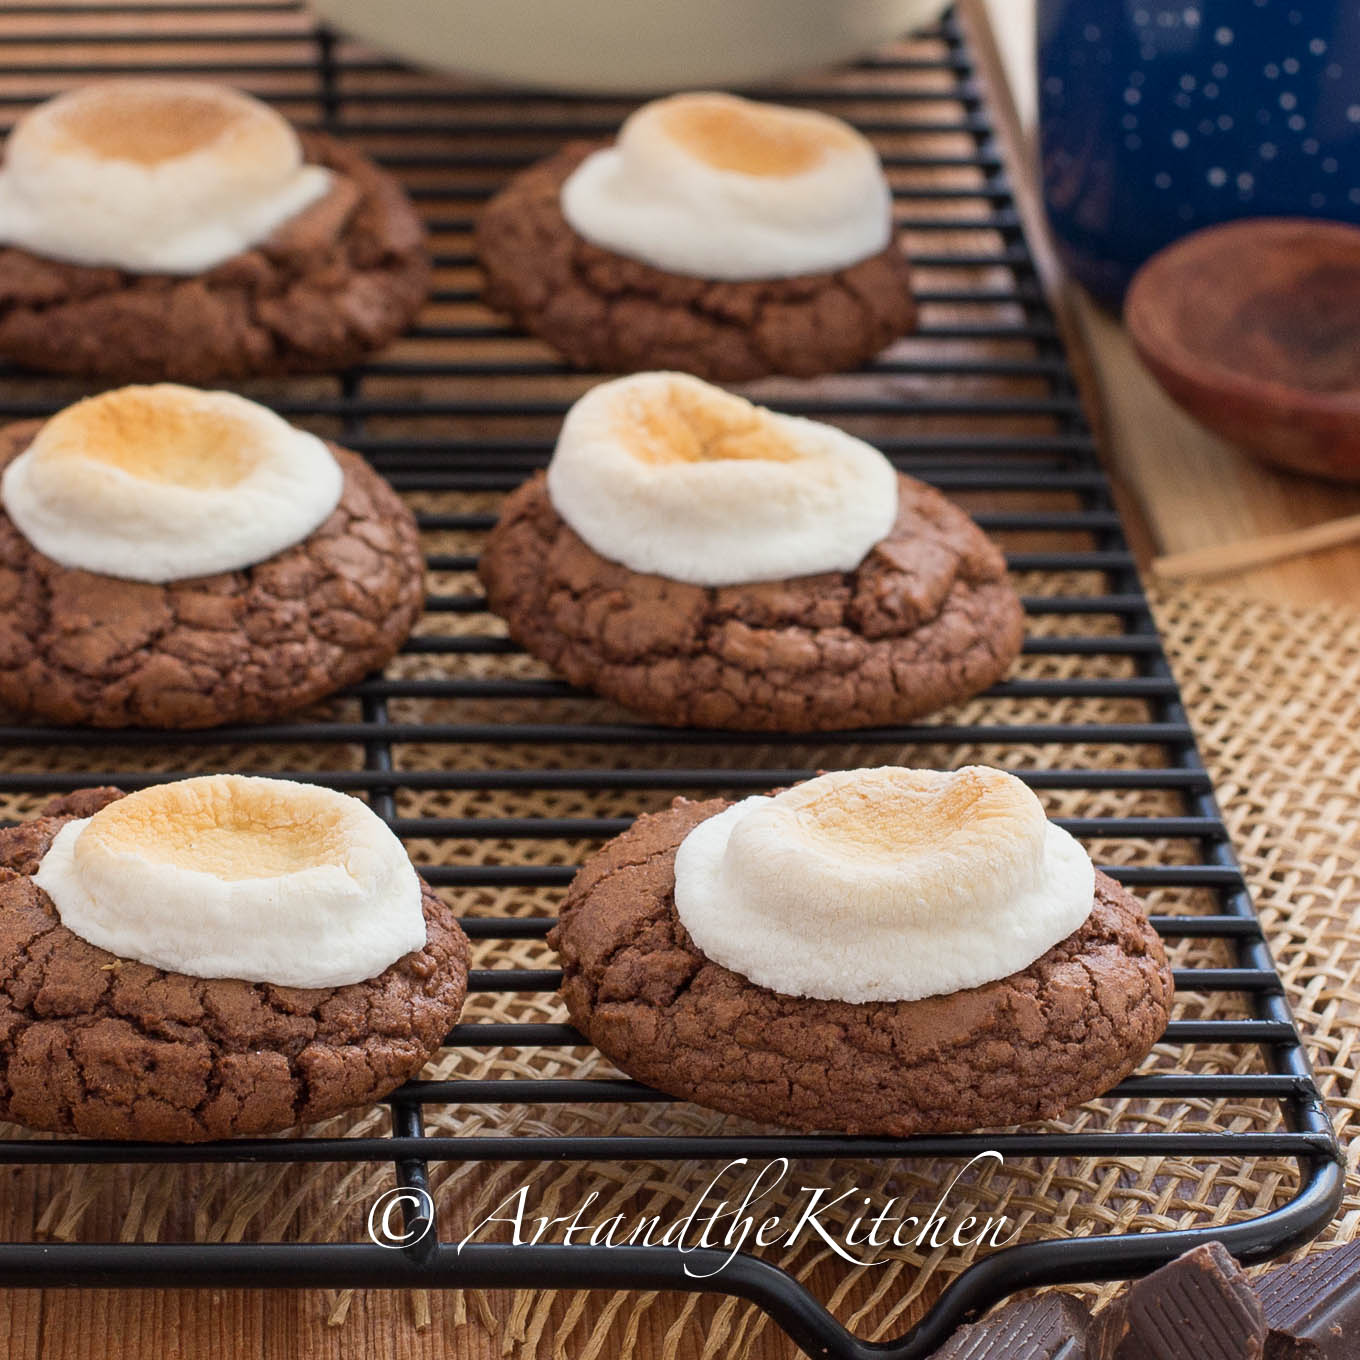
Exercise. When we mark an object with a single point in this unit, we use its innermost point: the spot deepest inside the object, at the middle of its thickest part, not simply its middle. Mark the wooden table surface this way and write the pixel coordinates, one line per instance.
(1183, 489)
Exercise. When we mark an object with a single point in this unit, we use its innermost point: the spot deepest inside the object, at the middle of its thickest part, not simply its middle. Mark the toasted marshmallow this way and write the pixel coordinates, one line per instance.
(231, 876)
(164, 483)
(667, 474)
(152, 176)
(883, 885)
(719, 187)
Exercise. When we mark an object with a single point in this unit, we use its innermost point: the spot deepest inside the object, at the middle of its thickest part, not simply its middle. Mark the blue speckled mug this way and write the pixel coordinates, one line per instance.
(1157, 117)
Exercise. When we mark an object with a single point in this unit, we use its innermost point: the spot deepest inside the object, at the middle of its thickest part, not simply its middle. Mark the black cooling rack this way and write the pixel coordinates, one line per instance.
(454, 144)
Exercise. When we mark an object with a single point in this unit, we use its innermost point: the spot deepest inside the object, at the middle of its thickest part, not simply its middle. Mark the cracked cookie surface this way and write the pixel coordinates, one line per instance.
(109, 1048)
(926, 619)
(609, 312)
(240, 646)
(333, 284)
(1029, 1046)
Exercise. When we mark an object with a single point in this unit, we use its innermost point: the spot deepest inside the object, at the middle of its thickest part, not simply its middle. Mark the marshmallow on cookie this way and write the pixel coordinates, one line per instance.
(719, 187)
(235, 876)
(152, 176)
(886, 884)
(165, 483)
(669, 475)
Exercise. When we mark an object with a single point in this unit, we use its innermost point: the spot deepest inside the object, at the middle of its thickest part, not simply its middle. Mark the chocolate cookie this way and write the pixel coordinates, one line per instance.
(242, 646)
(1029, 1046)
(108, 1048)
(338, 281)
(927, 618)
(606, 311)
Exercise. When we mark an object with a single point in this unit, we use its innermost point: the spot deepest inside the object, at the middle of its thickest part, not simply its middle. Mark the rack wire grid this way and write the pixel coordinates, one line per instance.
(980, 402)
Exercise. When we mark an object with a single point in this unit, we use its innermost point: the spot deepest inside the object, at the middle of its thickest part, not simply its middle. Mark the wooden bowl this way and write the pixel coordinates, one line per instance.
(1254, 328)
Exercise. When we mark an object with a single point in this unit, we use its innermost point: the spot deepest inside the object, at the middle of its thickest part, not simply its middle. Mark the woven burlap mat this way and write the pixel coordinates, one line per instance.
(1272, 694)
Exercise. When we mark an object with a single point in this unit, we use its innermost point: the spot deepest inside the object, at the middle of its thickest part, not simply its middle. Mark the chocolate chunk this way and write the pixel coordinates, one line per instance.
(1312, 1307)
(1200, 1307)
(1048, 1327)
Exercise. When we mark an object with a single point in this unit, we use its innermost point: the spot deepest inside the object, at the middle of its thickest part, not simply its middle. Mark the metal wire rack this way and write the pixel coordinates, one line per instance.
(981, 402)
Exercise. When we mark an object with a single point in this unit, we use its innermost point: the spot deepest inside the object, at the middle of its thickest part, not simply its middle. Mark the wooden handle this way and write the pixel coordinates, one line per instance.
(1224, 558)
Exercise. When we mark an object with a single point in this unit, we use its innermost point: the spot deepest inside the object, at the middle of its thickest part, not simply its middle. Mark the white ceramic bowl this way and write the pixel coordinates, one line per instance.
(628, 45)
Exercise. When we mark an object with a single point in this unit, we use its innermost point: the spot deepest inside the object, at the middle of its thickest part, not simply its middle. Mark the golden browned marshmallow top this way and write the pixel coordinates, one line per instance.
(718, 187)
(152, 176)
(239, 876)
(163, 483)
